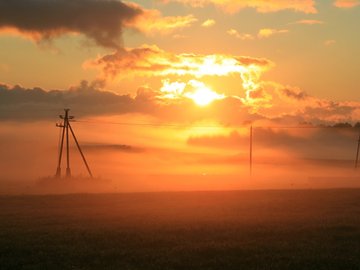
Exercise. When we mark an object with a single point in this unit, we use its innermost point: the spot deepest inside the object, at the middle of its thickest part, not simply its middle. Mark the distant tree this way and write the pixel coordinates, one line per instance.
(342, 125)
(357, 125)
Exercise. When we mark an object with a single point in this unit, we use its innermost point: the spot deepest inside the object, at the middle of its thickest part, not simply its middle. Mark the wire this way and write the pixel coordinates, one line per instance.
(144, 124)
(302, 127)
(210, 127)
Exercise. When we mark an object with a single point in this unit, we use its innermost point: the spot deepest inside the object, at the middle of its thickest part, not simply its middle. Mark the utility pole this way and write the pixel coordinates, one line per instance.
(81, 153)
(251, 150)
(357, 153)
(65, 125)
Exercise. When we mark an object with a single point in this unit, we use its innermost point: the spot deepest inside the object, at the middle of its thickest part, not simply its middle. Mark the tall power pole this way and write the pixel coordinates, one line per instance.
(65, 125)
(251, 150)
(357, 153)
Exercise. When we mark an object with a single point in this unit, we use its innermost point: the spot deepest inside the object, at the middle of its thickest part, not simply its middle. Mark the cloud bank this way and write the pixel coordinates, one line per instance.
(266, 103)
(153, 61)
(102, 21)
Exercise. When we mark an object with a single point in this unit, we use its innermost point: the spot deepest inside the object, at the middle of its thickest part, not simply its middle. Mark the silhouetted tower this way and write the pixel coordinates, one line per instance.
(357, 153)
(251, 151)
(65, 135)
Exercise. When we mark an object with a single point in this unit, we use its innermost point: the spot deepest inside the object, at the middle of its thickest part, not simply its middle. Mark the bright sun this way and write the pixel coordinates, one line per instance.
(202, 95)
(195, 90)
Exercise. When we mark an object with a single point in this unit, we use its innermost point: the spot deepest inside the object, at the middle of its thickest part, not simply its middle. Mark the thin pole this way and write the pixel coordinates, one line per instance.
(58, 170)
(82, 155)
(357, 153)
(251, 149)
(68, 172)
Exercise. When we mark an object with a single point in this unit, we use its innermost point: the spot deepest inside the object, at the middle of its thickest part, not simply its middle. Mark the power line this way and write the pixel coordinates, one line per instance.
(146, 124)
(207, 126)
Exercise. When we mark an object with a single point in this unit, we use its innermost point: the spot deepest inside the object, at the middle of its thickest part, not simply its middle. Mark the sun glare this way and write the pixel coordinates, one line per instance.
(201, 94)
(195, 90)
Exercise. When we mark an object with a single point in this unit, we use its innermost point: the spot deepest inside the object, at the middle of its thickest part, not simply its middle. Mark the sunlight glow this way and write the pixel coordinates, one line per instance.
(195, 90)
(202, 95)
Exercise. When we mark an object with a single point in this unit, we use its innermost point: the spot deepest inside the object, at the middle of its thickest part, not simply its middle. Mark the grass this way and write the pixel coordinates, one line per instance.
(308, 229)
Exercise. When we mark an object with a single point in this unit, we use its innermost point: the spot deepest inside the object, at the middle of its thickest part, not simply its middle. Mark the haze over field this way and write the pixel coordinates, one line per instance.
(164, 93)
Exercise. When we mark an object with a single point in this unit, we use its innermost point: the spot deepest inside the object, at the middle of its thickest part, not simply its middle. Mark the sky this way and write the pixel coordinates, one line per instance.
(167, 89)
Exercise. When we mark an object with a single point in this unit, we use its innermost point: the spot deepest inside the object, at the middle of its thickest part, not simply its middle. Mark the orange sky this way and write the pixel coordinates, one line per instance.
(191, 75)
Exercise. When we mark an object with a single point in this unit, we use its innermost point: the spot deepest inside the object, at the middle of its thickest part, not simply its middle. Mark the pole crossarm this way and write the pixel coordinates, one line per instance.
(65, 126)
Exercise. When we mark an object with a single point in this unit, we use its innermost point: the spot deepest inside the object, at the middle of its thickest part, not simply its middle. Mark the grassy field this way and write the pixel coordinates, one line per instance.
(308, 229)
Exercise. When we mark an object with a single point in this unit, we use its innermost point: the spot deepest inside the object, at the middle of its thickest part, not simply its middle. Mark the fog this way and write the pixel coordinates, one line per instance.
(142, 159)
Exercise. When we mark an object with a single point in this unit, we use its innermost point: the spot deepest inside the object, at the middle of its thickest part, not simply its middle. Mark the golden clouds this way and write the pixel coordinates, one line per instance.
(242, 36)
(263, 33)
(152, 21)
(268, 32)
(309, 22)
(163, 25)
(208, 23)
(263, 6)
(329, 42)
(153, 61)
(346, 3)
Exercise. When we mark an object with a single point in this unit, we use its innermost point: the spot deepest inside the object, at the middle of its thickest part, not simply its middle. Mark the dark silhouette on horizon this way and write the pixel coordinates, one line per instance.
(65, 135)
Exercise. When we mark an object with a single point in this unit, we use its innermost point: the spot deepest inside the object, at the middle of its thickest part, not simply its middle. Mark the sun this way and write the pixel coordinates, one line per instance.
(201, 94)
(195, 90)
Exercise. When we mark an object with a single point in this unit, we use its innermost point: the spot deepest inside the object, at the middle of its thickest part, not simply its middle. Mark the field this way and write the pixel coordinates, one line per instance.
(304, 229)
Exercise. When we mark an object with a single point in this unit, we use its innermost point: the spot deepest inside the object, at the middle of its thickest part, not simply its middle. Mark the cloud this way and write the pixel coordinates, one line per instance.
(184, 83)
(262, 6)
(290, 105)
(179, 36)
(152, 22)
(236, 34)
(309, 22)
(268, 32)
(153, 61)
(259, 99)
(346, 3)
(329, 42)
(263, 33)
(18, 103)
(208, 23)
(265, 101)
(99, 20)
(87, 100)
(112, 147)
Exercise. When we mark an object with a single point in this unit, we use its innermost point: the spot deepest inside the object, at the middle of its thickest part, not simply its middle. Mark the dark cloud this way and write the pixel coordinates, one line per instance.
(112, 147)
(87, 99)
(18, 103)
(330, 109)
(100, 20)
(294, 93)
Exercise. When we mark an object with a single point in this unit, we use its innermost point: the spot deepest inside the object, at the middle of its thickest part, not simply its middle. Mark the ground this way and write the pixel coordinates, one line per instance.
(304, 229)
